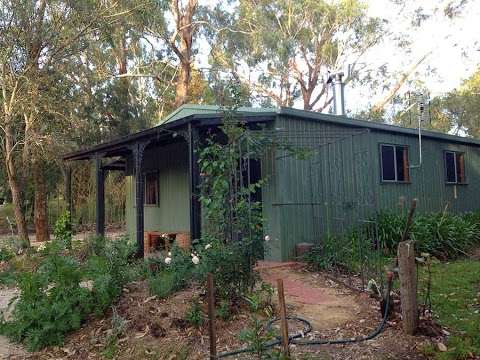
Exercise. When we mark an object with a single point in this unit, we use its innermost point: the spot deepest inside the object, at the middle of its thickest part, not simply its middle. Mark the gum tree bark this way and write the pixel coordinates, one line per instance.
(13, 182)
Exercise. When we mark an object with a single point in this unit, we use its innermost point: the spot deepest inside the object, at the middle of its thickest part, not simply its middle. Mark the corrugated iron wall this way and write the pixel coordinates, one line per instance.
(338, 186)
(428, 181)
(324, 183)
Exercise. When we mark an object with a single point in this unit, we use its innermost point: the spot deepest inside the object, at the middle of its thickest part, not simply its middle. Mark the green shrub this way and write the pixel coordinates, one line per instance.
(119, 325)
(14, 244)
(350, 253)
(162, 284)
(231, 266)
(194, 314)
(261, 299)
(8, 277)
(256, 337)
(472, 217)
(166, 279)
(369, 248)
(51, 304)
(6, 254)
(390, 227)
(109, 271)
(95, 245)
(224, 309)
(60, 295)
(63, 230)
(441, 234)
(331, 253)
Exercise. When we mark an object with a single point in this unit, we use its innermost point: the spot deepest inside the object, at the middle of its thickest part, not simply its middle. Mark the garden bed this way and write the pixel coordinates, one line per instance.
(157, 329)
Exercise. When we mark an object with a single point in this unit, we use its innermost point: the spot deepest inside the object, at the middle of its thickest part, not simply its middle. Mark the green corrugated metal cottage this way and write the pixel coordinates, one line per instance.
(353, 169)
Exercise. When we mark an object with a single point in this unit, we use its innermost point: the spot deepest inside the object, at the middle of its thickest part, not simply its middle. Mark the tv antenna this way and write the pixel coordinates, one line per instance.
(422, 102)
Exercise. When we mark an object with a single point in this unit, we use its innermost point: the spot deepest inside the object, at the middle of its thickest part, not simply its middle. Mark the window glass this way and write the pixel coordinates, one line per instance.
(395, 165)
(451, 173)
(388, 163)
(151, 188)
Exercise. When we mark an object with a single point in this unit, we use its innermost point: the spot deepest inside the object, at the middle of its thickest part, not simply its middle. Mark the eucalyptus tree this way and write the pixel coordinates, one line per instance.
(284, 49)
(38, 39)
(460, 107)
(174, 23)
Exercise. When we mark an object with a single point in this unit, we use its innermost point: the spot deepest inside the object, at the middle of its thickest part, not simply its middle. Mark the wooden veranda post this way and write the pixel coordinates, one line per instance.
(407, 272)
(211, 316)
(283, 317)
(193, 179)
(138, 152)
(100, 197)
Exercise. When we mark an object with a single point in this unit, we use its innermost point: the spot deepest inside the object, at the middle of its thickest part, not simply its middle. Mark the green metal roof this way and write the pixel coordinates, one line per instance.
(347, 121)
(193, 109)
(201, 111)
(190, 112)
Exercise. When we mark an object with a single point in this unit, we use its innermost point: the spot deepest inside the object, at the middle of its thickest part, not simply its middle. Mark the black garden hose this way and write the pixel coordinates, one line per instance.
(308, 328)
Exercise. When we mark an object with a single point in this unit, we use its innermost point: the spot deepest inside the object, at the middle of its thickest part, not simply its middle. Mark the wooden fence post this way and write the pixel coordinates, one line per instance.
(211, 317)
(283, 317)
(407, 272)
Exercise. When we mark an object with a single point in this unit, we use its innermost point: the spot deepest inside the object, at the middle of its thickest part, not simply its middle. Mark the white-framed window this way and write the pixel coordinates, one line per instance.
(394, 163)
(454, 167)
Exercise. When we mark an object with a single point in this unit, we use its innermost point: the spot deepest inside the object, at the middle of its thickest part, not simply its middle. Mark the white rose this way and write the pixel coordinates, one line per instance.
(267, 237)
(168, 260)
(195, 260)
(208, 246)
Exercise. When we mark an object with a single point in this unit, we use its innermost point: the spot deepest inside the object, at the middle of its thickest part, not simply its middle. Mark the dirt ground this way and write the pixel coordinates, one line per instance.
(7, 349)
(337, 312)
(81, 235)
(156, 329)
(325, 307)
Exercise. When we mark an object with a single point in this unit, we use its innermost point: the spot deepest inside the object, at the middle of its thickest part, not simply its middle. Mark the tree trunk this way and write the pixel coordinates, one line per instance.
(40, 205)
(125, 126)
(12, 176)
(182, 84)
(307, 98)
(186, 30)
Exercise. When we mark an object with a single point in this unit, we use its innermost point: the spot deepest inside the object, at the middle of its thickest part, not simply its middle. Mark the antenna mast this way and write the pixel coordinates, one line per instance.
(421, 101)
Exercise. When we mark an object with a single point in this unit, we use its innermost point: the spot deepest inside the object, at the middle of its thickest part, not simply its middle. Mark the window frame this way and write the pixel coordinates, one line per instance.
(157, 180)
(455, 154)
(408, 179)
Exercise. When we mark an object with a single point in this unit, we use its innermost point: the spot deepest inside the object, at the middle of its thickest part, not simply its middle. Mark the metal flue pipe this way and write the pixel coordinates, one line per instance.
(338, 94)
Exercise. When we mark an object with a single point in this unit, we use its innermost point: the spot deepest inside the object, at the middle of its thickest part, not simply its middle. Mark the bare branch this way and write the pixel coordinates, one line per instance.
(403, 78)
